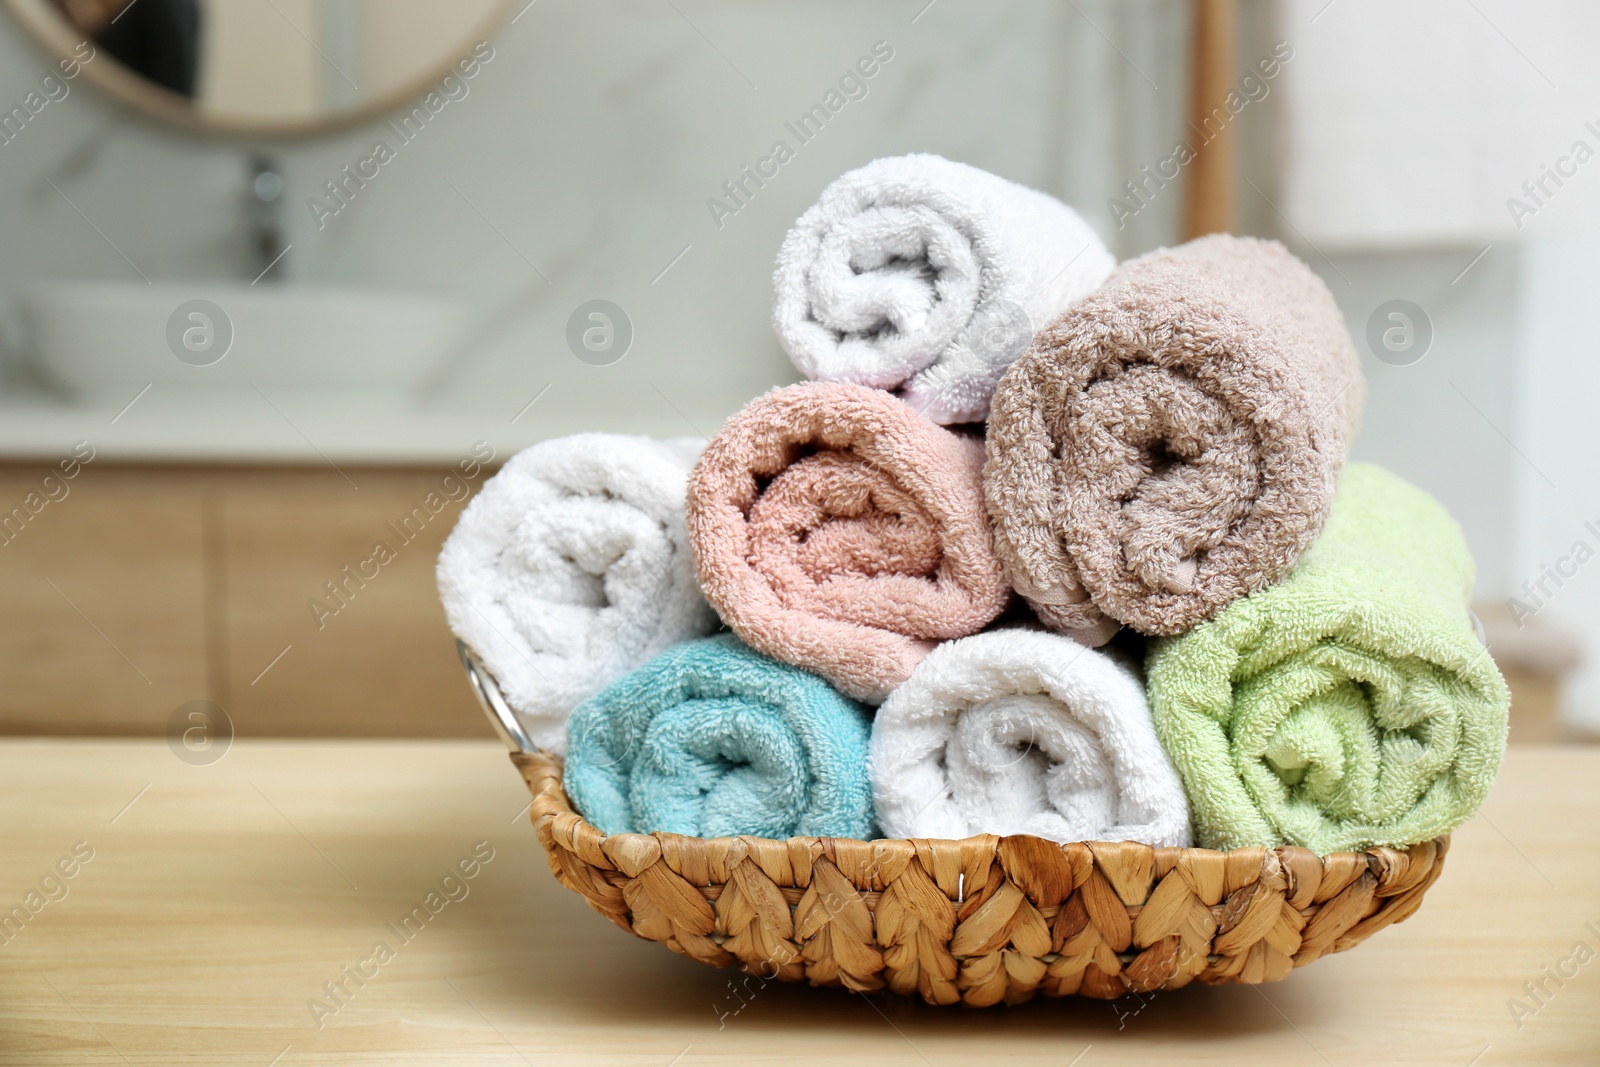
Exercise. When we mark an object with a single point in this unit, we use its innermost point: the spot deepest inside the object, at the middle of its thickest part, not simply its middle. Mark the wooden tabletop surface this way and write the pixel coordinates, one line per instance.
(226, 913)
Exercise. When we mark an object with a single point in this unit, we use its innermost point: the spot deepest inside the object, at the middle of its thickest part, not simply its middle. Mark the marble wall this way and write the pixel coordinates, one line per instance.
(581, 162)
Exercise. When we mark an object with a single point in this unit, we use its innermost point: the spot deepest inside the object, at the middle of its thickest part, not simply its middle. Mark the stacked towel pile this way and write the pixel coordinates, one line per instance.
(1044, 545)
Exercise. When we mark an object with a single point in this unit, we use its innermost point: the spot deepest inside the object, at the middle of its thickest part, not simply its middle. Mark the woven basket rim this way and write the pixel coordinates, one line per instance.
(556, 803)
(528, 757)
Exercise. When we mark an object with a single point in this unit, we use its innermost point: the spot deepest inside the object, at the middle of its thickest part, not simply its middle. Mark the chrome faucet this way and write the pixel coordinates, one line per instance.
(264, 213)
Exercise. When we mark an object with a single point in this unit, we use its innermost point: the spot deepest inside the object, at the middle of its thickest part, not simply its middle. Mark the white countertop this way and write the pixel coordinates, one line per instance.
(168, 425)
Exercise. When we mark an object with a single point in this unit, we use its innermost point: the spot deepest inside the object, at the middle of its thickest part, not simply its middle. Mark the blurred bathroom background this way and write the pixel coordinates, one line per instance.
(277, 276)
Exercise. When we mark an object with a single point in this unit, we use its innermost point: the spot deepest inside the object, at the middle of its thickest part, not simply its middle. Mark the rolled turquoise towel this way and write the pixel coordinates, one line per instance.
(712, 739)
(1351, 705)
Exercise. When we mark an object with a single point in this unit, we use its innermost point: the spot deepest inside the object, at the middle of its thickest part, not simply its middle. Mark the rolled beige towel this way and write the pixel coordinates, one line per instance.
(1172, 443)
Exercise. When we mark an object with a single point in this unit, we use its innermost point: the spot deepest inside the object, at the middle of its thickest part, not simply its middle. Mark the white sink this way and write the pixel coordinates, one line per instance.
(102, 339)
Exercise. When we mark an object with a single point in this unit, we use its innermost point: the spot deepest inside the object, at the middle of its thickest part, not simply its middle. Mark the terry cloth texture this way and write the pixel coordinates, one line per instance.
(925, 276)
(572, 567)
(1024, 732)
(836, 529)
(1350, 706)
(712, 739)
(1172, 443)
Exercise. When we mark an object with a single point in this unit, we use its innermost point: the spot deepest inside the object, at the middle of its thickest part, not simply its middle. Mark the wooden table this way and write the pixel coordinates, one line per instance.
(222, 900)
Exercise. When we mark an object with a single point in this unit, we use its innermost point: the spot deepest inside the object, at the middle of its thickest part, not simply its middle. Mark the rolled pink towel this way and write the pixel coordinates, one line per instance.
(1172, 443)
(836, 529)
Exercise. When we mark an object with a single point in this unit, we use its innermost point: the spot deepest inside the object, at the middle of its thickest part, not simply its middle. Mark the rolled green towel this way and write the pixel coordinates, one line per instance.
(1351, 705)
(713, 739)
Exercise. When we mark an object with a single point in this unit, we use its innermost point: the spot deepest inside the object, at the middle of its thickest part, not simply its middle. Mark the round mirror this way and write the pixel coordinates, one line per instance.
(265, 67)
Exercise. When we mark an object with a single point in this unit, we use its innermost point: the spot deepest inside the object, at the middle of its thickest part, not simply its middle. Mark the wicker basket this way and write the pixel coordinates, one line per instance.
(977, 921)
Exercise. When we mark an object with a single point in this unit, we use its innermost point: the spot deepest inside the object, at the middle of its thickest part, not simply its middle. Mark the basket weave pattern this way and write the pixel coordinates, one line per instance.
(981, 920)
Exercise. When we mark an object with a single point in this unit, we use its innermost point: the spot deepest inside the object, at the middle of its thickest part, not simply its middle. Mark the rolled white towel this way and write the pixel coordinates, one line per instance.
(928, 277)
(1024, 732)
(571, 567)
